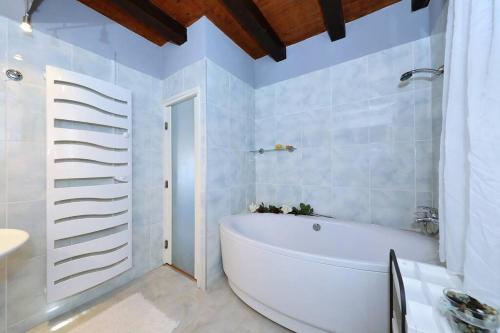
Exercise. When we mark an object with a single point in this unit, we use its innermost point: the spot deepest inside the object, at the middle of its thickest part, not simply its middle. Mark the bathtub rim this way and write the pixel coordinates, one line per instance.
(361, 265)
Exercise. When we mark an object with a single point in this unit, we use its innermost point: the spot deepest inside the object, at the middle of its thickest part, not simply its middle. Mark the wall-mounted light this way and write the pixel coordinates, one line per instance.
(18, 57)
(26, 23)
(31, 7)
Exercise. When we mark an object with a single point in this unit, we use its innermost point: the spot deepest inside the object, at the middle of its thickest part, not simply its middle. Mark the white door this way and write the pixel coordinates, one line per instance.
(180, 186)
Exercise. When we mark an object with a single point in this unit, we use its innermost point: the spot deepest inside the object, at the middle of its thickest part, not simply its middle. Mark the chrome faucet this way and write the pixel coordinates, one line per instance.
(428, 219)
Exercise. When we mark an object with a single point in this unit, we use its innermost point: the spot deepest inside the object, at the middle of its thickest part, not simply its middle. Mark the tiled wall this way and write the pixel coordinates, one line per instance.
(230, 165)
(228, 107)
(365, 141)
(22, 170)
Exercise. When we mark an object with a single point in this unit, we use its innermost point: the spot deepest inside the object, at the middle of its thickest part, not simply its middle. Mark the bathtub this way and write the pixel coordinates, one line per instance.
(331, 280)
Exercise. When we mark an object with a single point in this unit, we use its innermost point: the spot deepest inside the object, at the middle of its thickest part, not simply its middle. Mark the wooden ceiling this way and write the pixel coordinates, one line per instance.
(260, 27)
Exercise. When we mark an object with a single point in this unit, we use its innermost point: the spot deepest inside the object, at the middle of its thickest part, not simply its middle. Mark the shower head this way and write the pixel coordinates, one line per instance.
(408, 75)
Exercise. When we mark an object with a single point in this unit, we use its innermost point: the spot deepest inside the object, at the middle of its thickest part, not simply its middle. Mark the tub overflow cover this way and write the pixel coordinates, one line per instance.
(316, 227)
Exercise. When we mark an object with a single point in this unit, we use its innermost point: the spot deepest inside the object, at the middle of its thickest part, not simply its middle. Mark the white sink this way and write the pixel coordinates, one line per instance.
(11, 239)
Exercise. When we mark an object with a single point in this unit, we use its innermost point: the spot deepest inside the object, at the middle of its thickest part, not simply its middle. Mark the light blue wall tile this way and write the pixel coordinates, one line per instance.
(392, 166)
(265, 166)
(217, 85)
(351, 165)
(319, 197)
(218, 168)
(238, 199)
(3, 169)
(25, 116)
(288, 129)
(173, 85)
(316, 166)
(251, 196)
(140, 249)
(89, 63)
(289, 195)
(351, 123)
(30, 217)
(214, 259)
(25, 285)
(347, 75)
(194, 76)
(156, 241)
(218, 206)
(287, 168)
(25, 171)
(393, 208)
(385, 69)
(3, 38)
(3, 215)
(424, 199)
(351, 204)
(241, 98)
(424, 166)
(218, 127)
(309, 91)
(265, 193)
(422, 58)
(392, 118)
(265, 133)
(3, 307)
(264, 102)
(238, 168)
(239, 133)
(315, 137)
(423, 114)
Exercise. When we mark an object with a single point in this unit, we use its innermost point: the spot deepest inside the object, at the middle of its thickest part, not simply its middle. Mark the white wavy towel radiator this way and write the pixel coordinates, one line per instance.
(89, 175)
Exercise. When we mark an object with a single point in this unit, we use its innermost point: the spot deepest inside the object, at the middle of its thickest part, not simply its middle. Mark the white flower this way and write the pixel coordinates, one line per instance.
(253, 207)
(285, 209)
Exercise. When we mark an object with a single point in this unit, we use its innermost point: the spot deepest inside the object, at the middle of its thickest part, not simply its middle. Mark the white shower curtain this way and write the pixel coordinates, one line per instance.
(470, 145)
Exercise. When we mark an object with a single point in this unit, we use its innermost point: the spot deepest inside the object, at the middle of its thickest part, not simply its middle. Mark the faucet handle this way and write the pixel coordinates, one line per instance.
(426, 211)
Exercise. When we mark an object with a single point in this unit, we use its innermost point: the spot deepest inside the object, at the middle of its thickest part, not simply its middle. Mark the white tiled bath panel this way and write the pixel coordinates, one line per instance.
(367, 143)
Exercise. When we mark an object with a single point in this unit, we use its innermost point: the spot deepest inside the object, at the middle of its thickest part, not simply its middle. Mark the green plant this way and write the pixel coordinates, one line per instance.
(262, 209)
(302, 210)
(274, 209)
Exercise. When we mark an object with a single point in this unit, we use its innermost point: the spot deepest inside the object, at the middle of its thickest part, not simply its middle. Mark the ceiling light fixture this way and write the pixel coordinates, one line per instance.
(31, 7)
(26, 23)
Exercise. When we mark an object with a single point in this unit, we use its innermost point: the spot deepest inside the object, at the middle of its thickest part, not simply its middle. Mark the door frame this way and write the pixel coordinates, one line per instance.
(199, 181)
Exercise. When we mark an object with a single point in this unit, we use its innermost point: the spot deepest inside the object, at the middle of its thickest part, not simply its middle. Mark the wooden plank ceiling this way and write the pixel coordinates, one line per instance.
(260, 27)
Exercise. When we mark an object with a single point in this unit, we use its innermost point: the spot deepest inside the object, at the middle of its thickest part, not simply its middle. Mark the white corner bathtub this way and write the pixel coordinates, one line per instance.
(331, 280)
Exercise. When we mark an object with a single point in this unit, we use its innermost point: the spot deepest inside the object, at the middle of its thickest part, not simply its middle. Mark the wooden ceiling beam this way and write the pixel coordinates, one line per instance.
(419, 4)
(253, 21)
(146, 13)
(156, 18)
(333, 15)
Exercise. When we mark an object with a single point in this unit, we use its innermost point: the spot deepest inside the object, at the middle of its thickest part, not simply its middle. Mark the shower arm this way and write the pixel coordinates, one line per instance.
(438, 71)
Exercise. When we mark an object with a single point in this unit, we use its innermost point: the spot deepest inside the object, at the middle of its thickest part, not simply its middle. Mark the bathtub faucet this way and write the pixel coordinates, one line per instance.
(427, 218)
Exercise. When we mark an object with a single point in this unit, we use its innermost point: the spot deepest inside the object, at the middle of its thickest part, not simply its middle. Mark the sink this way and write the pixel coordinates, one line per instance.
(11, 239)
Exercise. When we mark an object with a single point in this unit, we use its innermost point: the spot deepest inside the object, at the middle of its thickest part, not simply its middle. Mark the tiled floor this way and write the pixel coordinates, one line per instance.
(217, 311)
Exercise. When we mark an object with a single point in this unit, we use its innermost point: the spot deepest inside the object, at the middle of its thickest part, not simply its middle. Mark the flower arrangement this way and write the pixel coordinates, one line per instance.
(303, 209)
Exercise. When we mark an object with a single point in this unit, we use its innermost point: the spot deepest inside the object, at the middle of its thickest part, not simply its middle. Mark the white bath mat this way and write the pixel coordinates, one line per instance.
(135, 314)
